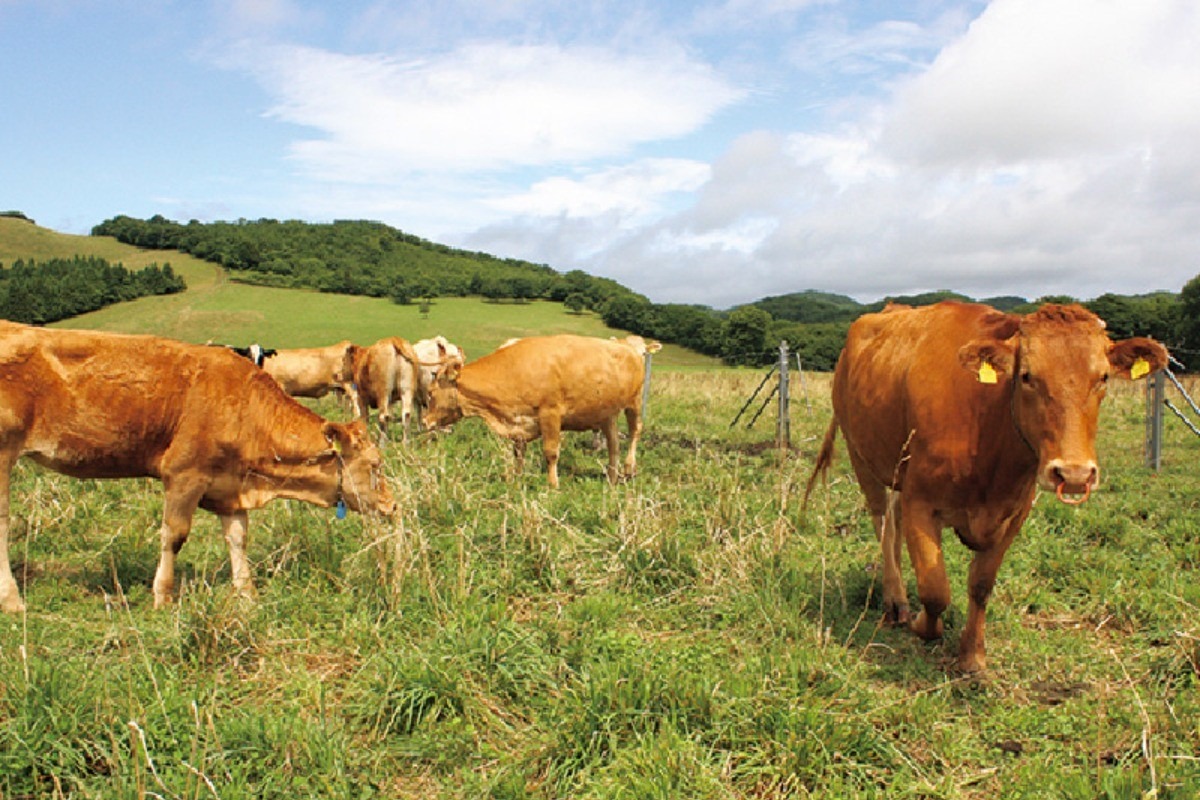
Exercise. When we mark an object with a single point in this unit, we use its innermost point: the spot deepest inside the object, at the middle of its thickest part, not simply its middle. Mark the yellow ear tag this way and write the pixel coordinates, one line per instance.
(987, 373)
(1140, 367)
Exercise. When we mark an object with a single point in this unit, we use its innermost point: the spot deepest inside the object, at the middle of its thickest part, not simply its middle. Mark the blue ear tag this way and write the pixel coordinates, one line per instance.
(341, 509)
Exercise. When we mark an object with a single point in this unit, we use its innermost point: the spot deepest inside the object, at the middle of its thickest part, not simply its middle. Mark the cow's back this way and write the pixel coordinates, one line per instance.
(588, 378)
(901, 396)
(108, 405)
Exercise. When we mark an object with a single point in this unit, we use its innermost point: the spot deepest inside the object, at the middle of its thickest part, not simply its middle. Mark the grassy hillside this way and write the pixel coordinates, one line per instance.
(215, 309)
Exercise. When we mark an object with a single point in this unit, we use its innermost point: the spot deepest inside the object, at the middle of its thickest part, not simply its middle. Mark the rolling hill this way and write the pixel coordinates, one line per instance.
(217, 309)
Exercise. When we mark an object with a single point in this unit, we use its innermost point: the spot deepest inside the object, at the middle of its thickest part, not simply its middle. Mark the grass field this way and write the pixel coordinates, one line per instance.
(686, 634)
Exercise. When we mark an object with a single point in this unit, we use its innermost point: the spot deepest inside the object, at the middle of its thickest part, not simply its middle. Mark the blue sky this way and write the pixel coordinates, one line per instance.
(699, 152)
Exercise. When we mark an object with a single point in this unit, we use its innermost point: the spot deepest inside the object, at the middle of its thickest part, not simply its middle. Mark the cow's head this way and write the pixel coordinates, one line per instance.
(360, 466)
(1057, 363)
(443, 409)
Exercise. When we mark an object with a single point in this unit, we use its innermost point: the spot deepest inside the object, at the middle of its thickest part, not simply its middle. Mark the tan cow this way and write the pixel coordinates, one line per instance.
(953, 416)
(541, 386)
(316, 371)
(216, 431)
(384, 373)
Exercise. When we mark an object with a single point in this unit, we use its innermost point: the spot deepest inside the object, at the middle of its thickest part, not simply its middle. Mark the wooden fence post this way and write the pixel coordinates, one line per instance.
(1155, 395)
(783, 429)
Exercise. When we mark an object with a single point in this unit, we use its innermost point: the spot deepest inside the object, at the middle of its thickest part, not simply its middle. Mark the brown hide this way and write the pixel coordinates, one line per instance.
(540, 386)
(315, 371)
(953, 415)
(216, 431)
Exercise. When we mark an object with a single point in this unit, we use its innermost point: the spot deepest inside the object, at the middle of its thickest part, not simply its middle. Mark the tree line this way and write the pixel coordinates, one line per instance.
(374, 259)
(39, 292)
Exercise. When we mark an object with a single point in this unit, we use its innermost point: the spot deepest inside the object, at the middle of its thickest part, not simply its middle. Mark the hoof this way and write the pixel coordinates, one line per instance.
(928, 629)
(896, 614)
(12, 605)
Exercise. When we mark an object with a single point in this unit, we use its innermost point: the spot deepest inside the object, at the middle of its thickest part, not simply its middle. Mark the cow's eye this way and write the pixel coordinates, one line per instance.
(1027, 378)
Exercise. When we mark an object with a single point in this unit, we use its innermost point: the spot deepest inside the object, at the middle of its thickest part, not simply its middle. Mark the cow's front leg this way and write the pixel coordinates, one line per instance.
(981, 578)
(924, 539)
(235, 526)
(177, 524)
(10, 594)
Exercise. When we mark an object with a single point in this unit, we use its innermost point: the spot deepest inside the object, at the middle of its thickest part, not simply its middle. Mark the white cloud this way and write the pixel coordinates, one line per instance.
(635, 191)
(1036, 79)
(487, 106)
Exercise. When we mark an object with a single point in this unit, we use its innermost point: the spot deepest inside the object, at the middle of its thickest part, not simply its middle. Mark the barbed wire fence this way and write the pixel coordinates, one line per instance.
(1156, 402)
(782, 389)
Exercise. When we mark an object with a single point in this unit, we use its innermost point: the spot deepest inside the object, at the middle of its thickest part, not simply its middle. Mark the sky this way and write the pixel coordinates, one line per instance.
(712, 152)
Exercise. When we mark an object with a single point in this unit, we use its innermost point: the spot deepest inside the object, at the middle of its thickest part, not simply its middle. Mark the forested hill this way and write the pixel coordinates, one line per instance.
(359, 258)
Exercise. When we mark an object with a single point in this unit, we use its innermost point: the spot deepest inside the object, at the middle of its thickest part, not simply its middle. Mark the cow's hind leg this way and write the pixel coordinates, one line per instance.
(884, 508)
(10, 594)
(633, 421)
(180, 506)
(551, 429)
(612, 438)
(235, 526)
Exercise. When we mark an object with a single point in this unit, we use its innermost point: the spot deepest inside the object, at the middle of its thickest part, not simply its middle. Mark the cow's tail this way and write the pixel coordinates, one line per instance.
(405, 349)
(824, 459)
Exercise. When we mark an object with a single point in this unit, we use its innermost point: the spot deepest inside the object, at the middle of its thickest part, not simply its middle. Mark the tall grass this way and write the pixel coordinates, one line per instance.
(684, 634)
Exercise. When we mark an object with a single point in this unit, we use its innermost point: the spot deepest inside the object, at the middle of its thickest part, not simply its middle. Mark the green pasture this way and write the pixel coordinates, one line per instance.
(685, 634)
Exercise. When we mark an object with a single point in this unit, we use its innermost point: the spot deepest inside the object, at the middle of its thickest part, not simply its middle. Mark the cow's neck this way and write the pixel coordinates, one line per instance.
(315, 479)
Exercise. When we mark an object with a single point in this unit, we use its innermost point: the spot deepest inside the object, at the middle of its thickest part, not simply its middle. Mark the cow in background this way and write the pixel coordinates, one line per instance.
(255, 352)
(953, 416)
(211, 426)
(540, 386)
(316, 371)
(385, 373)
(432, 354)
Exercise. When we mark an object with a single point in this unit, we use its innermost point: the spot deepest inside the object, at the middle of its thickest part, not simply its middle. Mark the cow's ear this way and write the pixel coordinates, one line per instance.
(988, 359)
(1137, 357)
(449, 373)
(339, 436)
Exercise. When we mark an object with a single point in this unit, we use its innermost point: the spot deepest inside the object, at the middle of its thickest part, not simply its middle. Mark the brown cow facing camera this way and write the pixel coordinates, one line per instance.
(953, 416)
(215, 429)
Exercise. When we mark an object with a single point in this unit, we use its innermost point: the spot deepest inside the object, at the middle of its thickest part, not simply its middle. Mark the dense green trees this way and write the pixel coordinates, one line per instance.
(39, 292)
(360, 257)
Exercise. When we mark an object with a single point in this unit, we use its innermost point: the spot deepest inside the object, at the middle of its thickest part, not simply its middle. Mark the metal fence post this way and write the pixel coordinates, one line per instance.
(646, 388)
(1155, 395)
(783, 430)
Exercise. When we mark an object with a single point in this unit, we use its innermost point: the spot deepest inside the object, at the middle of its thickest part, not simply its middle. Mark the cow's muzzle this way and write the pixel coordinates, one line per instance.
(1072, 483)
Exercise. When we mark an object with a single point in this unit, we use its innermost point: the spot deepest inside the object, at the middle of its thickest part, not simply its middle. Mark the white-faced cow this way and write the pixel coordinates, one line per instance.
(953, 416)
(433, 354)
(316, 371)
(211, 426)
(542, 385)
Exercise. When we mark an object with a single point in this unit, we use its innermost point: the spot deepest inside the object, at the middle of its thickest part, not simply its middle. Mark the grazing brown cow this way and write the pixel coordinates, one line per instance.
(216, 431)
(543, 385)
(384, 373)
(963, 412)
(316, 371)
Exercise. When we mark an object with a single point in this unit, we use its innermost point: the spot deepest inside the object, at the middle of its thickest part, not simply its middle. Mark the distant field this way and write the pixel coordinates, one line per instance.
(214, 309)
